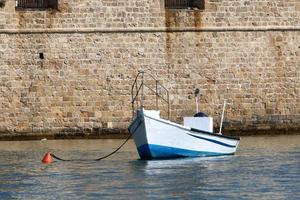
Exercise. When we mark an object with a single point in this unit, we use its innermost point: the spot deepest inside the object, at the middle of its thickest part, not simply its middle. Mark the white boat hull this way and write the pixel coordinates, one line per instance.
(157, 138)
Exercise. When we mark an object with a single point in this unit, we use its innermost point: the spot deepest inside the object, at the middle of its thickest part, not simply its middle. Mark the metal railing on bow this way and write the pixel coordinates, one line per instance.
(144, 81)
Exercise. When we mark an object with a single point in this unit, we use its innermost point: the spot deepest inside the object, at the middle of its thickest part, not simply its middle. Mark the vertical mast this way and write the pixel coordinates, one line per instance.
(222, 117)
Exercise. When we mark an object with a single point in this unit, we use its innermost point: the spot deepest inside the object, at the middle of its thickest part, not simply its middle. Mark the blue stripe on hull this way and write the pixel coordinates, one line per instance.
(213, 141)
(144, 151)
(152, 151)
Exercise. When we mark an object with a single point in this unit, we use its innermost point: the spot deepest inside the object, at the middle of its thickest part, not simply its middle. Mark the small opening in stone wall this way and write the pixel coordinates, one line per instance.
(185, 4)
(41, 55)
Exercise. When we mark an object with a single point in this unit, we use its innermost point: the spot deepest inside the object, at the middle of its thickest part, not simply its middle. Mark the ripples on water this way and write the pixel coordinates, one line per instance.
(263, 168)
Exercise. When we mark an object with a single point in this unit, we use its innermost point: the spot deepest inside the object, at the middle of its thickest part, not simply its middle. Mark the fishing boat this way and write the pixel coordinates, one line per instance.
(158, 138)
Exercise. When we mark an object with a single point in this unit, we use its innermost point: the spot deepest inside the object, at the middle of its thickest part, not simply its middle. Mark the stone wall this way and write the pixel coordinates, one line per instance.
(70, 70)
(143, 13)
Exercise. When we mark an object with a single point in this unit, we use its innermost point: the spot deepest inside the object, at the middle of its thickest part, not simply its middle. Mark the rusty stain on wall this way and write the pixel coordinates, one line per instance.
(170, 21)
(197, 14)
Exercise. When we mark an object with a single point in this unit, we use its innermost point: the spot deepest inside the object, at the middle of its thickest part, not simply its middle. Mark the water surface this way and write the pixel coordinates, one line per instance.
(263, 168)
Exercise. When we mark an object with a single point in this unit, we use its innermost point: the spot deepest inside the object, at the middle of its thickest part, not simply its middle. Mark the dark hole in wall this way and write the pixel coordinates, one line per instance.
(41, 55)
(2, 3)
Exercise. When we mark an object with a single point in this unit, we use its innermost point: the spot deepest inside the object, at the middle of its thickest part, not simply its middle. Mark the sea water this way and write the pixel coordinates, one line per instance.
(262, 168)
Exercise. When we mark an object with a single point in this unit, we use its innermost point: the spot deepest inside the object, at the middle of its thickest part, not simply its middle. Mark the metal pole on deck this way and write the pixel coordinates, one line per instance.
(156, 95)
(197, 93)
(142, 96)
(222, 117)
(169, 108)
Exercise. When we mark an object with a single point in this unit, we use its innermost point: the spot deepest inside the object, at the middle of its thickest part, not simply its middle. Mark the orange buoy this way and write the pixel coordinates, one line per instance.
(47, 158)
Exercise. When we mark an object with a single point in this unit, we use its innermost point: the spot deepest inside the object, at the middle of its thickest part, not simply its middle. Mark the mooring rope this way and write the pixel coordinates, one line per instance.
(103, 157)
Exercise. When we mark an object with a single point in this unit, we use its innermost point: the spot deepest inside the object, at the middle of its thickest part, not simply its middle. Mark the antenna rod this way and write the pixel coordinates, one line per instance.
(222, 117)
(197, 109)
(197, 93)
